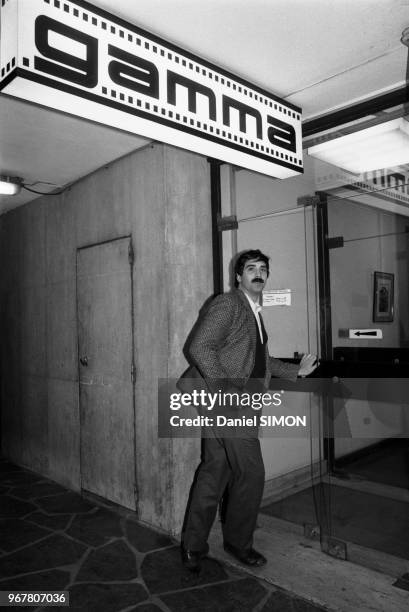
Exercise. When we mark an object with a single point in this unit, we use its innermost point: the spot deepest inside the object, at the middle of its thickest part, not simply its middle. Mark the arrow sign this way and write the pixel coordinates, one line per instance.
(370, 334)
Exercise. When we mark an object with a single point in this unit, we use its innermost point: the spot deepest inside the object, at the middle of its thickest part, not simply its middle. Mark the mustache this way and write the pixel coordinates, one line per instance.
(257, 280)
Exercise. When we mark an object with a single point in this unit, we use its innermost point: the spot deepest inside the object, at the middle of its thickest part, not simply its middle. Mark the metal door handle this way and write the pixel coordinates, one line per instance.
(84, 360)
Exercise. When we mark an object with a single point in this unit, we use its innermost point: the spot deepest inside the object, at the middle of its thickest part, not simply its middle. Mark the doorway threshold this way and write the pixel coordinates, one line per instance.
(369, 526)
(298, 565)
(358, 483)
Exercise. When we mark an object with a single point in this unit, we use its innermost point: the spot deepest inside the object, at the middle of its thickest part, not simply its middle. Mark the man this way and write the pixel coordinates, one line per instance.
(229, 349)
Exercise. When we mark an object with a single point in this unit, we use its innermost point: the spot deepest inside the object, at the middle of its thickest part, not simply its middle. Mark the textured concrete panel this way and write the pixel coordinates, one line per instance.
(33, 330)
(165, 205)
(150, 333)
(10, 249)
(33, 410)
(31, 238)
(62, 357)
(64, 432)
(10, 350)
(190, 283)
(60, 237)
(100, 204)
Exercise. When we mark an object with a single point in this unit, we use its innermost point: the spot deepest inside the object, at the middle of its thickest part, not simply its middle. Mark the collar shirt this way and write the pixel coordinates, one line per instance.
(256, 308)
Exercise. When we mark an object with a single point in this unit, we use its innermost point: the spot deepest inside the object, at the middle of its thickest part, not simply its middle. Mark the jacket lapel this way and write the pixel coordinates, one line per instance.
(244, 300)
(252, 325)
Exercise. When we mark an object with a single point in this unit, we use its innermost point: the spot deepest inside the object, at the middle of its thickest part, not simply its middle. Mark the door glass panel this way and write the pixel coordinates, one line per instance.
(369, 320)
(275, 217)
(338, 241)
(365, 493)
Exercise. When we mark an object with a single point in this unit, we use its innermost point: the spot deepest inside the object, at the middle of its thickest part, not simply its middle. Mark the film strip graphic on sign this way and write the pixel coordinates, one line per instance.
(76, 58)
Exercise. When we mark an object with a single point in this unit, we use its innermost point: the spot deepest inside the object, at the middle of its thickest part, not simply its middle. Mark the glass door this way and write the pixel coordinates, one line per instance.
(365, 495)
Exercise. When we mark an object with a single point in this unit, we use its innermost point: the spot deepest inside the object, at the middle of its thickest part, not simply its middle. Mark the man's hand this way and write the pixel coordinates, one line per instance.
(308, 364)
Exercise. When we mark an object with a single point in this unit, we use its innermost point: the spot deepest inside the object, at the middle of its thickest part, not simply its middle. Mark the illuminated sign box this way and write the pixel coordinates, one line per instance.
(76, 58)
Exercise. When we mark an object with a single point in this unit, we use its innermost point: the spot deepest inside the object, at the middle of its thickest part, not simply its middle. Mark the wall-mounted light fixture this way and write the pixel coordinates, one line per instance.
(10, 185)
(380, 146)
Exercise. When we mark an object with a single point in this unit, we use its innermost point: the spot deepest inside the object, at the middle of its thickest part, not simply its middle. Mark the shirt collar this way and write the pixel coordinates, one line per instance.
(255, 306)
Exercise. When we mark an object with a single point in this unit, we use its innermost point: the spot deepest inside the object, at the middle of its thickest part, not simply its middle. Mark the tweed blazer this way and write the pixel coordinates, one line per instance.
(224, 345)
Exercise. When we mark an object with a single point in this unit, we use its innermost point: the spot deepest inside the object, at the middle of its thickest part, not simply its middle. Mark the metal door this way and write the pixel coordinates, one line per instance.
(106, 371)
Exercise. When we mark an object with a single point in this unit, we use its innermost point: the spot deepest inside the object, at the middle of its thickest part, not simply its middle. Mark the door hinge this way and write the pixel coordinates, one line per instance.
(308, 200)
(335, 242)
(131, 255)
(227, 223)
(335, 548)
(133, 373)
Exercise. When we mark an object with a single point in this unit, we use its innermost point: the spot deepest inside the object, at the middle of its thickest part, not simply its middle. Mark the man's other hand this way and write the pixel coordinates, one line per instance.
(308, 364)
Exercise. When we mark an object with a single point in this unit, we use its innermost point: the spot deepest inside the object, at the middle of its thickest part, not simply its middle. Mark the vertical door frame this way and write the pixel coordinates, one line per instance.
(325, 321)
(217, 241)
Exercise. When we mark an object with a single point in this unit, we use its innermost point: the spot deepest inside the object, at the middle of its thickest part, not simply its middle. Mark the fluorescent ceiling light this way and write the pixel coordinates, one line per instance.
(10, 185)
(381, 146)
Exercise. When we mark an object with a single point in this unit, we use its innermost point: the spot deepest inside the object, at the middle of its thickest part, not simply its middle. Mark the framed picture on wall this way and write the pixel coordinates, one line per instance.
(383, 297)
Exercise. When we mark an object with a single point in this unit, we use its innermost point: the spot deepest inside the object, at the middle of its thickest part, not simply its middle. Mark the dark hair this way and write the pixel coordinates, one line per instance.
(246, 256)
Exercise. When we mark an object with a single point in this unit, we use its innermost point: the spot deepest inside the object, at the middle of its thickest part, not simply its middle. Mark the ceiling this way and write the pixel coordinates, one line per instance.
(318, 54)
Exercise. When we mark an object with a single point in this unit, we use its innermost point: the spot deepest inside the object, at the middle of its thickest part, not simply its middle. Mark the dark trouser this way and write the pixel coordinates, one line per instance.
(236, 462)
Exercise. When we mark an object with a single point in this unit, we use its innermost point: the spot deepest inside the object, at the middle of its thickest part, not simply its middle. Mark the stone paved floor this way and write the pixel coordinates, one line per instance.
(54, 539)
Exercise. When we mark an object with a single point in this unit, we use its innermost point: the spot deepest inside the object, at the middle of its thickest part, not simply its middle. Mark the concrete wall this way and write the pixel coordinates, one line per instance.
(161, 196)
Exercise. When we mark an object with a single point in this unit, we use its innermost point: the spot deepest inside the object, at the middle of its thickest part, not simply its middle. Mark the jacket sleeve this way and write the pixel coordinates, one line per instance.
(211, 335)
(281, 369)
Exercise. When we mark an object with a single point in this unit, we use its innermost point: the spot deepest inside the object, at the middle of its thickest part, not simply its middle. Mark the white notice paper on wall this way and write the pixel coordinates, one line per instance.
(277, 297)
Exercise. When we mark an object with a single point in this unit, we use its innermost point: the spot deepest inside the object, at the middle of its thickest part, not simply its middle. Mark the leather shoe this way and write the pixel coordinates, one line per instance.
(191, 559)
(249, 557)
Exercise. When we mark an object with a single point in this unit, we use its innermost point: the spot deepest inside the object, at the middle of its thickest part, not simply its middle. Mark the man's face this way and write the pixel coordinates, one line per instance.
(254, 277)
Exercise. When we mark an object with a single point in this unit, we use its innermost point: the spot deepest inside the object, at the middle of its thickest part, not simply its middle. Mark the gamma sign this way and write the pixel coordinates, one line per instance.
(79, 59)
